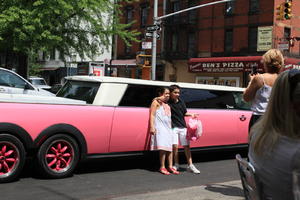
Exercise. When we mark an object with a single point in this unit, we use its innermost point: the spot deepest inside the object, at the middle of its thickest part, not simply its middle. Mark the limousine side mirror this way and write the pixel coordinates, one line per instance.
(27, 87)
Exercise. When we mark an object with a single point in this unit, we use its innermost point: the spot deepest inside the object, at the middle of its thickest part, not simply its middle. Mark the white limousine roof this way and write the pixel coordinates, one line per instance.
(107, 79)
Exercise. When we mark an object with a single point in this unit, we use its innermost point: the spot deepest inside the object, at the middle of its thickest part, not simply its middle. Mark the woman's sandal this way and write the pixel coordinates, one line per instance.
(173, 171)
(164, 171)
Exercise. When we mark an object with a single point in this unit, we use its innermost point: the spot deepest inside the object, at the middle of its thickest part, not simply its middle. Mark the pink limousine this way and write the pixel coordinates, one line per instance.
(113, 121)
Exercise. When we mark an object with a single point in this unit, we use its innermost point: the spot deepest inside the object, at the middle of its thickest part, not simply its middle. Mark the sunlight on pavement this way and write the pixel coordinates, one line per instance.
(226, 191)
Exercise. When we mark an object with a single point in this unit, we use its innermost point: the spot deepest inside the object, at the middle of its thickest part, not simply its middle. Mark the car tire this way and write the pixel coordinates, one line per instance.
(12, 157)
(58, 156)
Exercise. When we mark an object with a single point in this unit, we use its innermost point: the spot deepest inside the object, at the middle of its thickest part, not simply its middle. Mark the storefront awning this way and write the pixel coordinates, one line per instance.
(123, 63)
(235, 64)
(291, 63)
(48, 68)
(225, 64)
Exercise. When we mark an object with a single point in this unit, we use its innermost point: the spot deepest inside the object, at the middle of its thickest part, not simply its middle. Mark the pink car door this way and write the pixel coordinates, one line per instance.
(223, 123)
(131, 119)
(222, 127)
(129, 130)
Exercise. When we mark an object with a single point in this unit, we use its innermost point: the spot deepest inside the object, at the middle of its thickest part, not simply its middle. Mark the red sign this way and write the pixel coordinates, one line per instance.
(98, 71)
(234, 64)
(226, 66)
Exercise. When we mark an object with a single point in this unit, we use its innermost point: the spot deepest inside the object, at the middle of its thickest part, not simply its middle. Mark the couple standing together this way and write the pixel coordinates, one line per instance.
(168, 128)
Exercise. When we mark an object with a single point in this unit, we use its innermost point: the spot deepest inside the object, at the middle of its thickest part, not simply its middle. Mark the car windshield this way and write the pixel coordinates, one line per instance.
(85, 91)
(11, 80)
(38, 82)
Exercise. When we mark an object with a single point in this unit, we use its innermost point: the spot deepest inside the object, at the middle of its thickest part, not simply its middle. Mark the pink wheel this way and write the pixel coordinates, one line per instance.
(58, 156)
(12, 157)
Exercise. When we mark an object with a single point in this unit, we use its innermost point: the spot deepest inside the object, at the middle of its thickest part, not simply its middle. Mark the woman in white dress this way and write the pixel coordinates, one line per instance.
(161, 131)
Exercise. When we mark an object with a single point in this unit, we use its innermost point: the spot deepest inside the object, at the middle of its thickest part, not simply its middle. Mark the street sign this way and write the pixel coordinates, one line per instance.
(153, 28)
(150, 35)
(283, 46)
(158, 36)
(146, 45)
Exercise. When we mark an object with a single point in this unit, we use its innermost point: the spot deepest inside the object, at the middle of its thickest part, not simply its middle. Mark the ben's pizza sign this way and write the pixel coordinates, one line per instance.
(234, 66)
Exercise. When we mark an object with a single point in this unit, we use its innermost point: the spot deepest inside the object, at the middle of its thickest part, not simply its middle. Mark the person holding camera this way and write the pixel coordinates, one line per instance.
(260, 85)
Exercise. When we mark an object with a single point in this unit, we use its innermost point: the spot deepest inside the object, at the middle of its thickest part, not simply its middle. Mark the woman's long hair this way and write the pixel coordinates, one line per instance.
(280, 119)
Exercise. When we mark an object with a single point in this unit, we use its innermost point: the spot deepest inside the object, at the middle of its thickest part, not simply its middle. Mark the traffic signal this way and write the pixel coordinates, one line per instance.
(280, 11)
(143, 60)
(287, 10)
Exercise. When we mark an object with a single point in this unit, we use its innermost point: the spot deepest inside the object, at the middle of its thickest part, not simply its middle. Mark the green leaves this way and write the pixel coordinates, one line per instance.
(84, 26)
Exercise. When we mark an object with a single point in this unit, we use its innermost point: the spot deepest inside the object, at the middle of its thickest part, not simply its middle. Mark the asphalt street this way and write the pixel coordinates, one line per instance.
(133, 178)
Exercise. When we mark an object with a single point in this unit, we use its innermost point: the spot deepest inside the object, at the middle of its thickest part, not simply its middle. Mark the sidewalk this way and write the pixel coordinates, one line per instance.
(219, 191)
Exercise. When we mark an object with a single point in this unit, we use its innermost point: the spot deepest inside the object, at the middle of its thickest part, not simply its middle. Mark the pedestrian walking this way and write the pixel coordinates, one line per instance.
(275, 139)
(260, 85)
(178, 112)
(161, 131)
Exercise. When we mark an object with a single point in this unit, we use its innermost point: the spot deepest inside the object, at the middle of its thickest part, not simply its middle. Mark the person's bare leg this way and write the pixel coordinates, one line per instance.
(188, 155)
(175, 154)
(162, 159)
(170, 163)
(170, 159)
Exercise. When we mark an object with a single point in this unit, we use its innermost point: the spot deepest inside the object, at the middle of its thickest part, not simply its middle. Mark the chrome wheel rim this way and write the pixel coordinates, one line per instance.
(59, 156)
(9, 158)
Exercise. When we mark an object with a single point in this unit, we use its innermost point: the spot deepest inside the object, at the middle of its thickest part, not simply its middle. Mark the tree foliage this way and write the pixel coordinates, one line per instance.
(81, 26)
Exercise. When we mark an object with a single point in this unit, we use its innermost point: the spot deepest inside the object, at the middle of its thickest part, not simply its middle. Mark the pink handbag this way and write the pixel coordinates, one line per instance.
(194, 129)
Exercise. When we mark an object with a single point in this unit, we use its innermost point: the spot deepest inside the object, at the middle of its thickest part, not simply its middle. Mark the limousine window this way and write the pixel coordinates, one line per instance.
(239, 101)
(139, 95)
(212, 99)
(85, 91)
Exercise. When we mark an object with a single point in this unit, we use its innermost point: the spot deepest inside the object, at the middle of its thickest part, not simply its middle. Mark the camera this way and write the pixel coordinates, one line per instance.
(254, 70)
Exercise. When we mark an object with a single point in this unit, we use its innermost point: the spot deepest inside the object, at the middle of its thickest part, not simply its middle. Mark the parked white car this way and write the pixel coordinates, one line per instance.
(39, 82)
(12, 83)
(27, 98)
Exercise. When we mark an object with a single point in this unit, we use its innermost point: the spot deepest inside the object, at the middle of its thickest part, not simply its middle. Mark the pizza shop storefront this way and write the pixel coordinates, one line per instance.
(230, 71)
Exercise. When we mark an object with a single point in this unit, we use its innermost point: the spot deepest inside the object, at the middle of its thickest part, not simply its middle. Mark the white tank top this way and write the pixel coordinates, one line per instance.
(261, 99)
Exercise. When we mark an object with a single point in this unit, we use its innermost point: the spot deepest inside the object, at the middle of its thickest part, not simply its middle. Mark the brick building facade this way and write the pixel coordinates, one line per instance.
(226, 30)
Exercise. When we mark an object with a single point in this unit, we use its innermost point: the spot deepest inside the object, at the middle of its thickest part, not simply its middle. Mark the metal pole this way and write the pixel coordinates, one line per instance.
(191, 8)
(156, 20)
(154, 39)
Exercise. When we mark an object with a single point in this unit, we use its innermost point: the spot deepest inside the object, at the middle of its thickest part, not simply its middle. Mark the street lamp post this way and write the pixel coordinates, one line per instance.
(156, 21)
(154, 40)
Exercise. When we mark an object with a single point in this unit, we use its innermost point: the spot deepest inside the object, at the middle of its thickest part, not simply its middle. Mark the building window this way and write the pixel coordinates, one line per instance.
(229, 8)
(129, 15)
(62, 56)
(191, 45)
(144, 16)
(192, 14)
(254, 6)
(228, 41)
(175, 42)
(52, 54)
(127, 49)
(287, 32)
(44, 56)
(175, 8)
(287, 36)
(252, 39)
